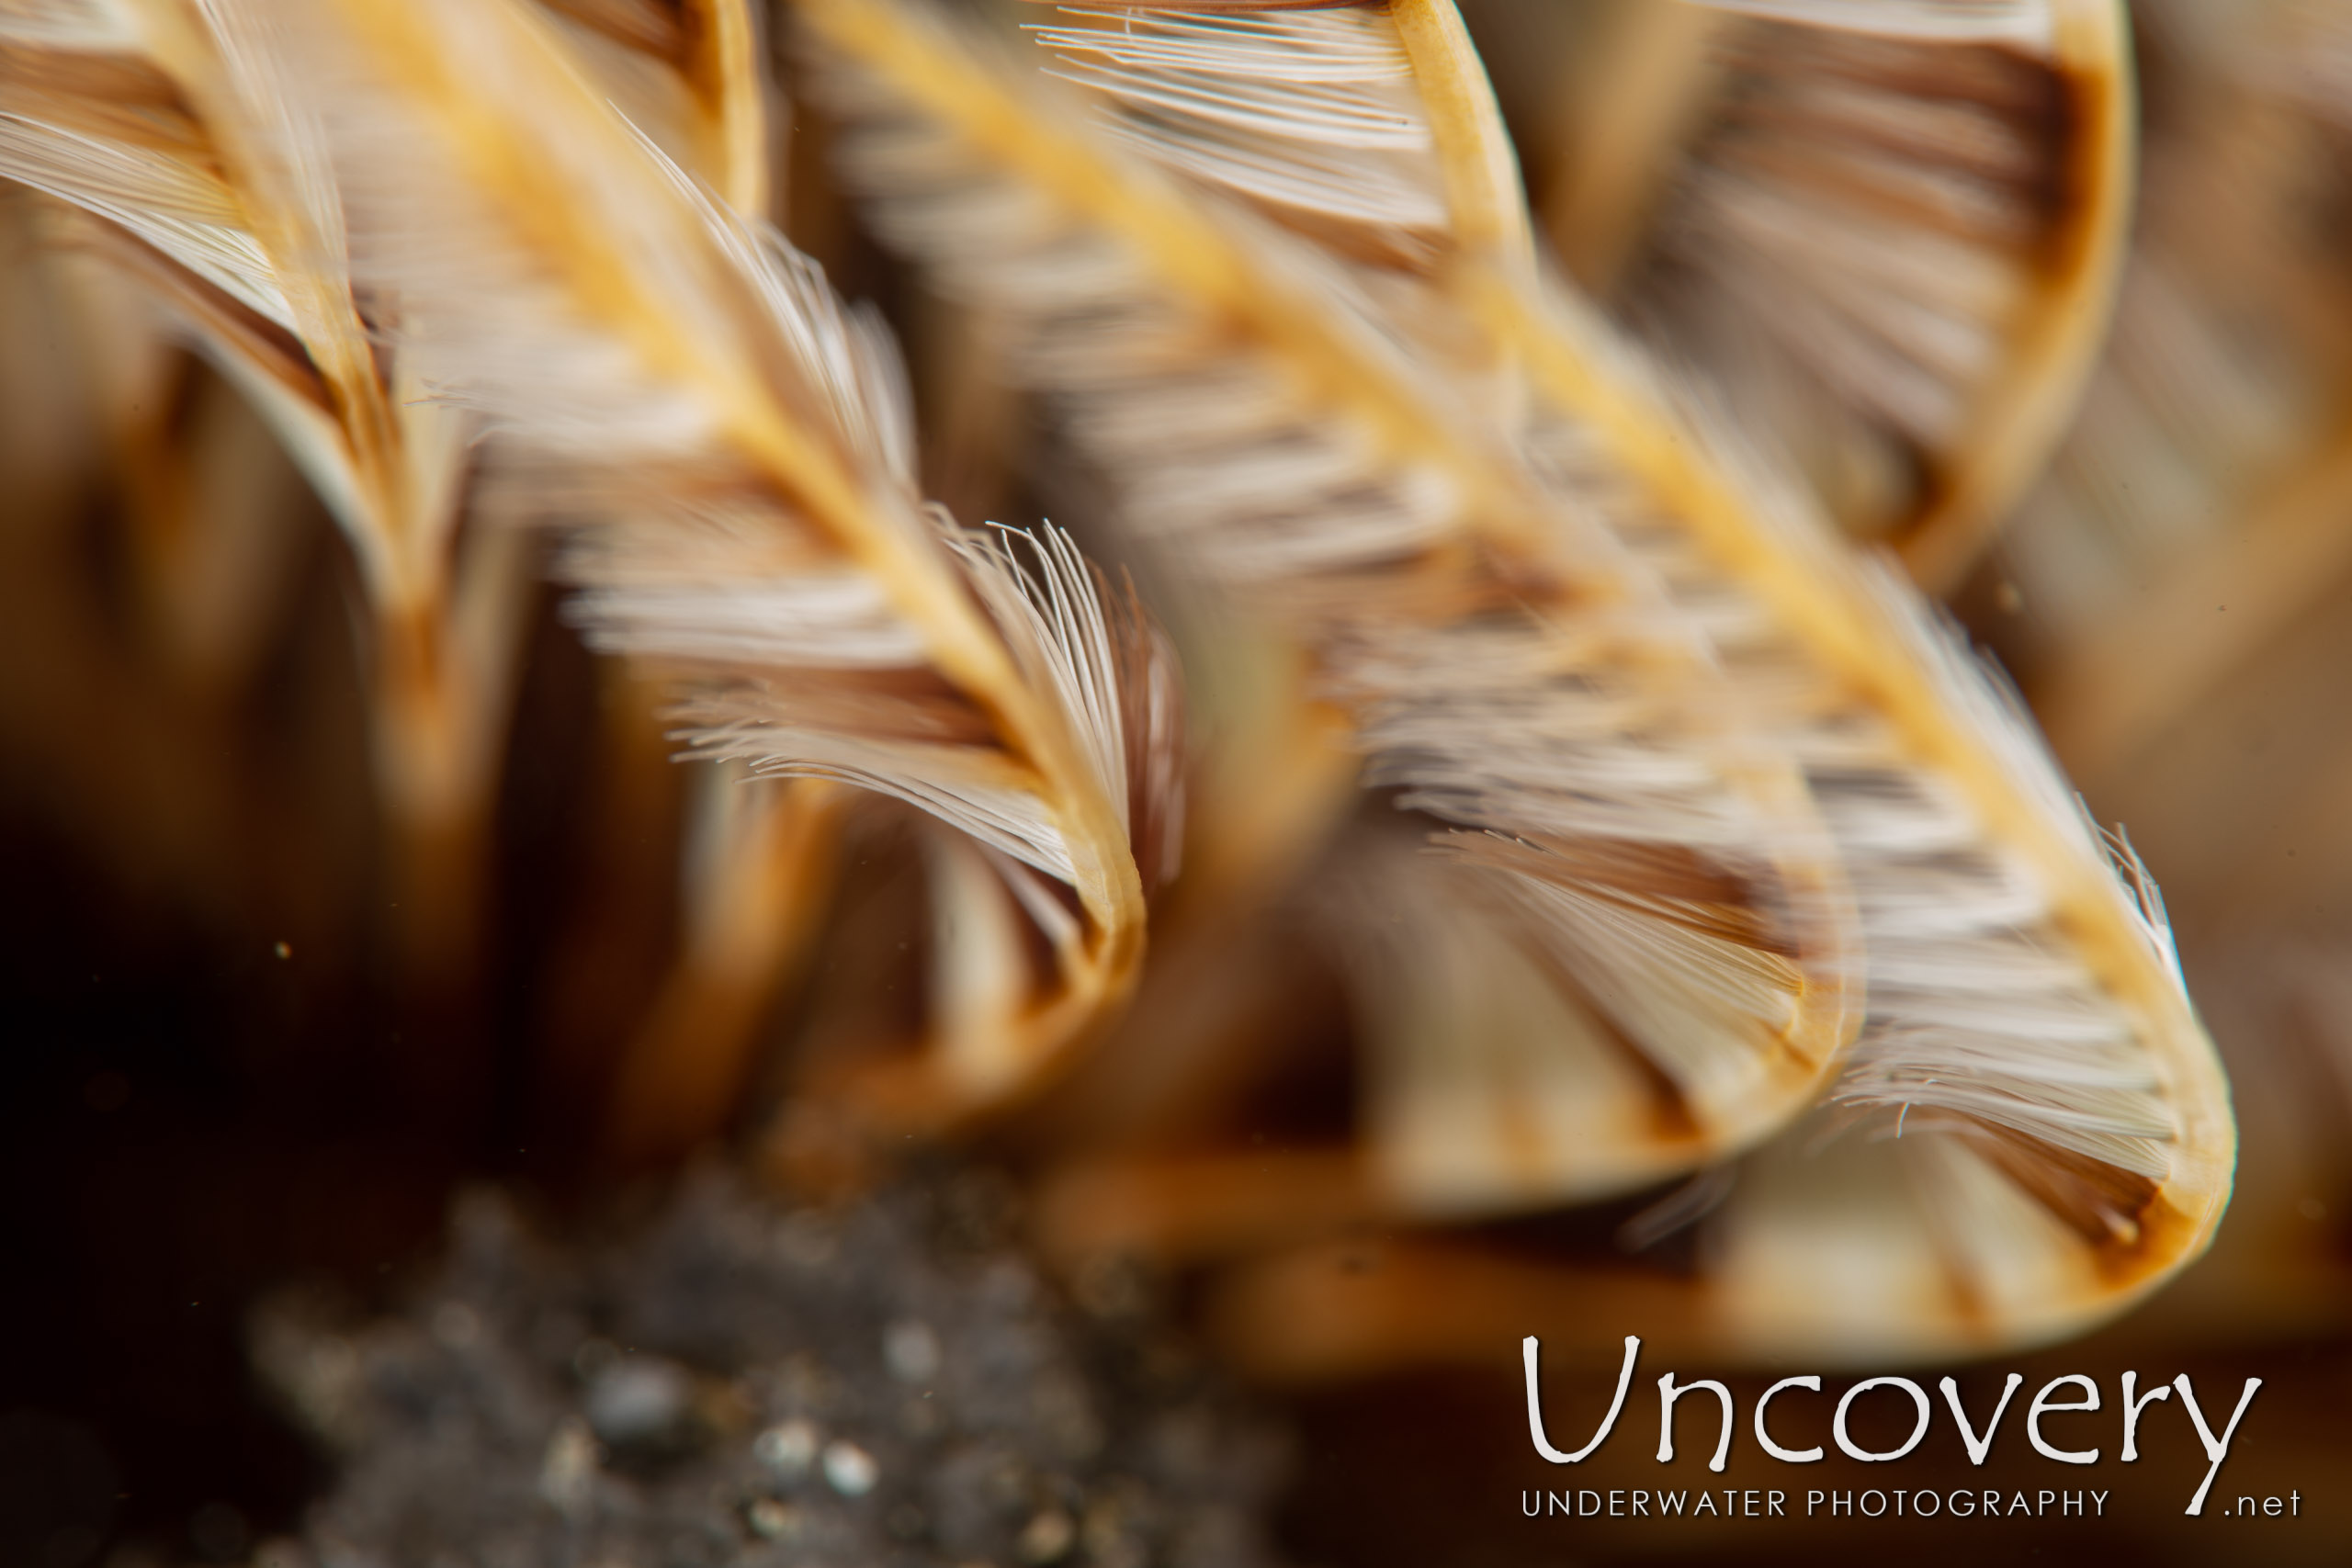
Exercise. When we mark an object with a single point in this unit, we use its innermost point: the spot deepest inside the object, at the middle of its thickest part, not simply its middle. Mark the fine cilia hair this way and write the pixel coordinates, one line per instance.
(2057, 1136)
(1712, 849)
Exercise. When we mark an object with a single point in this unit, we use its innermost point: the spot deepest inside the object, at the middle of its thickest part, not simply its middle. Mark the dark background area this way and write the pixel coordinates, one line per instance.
(191, 1120)
(218, 1076)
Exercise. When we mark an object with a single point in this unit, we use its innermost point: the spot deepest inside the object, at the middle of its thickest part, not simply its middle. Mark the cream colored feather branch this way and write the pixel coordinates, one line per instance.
(686, 388)
(690, 76)
(1892, 233)
(1507, 667)
(79, 27)
(143, 113)
(2179, 570)
(2023, 22)
(176, 142)
(2226, 380)
(1891, 239)
(2021, 1004)
(759, 872)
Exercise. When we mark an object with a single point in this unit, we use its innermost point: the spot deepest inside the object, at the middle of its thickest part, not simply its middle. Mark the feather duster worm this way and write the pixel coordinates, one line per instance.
(2172, 594)
(107, 106)
(2068, 1140)
(138, 114)
(744, 444)
(1506, 666)
(1890, 231)
(2213, 465)
(727, 449)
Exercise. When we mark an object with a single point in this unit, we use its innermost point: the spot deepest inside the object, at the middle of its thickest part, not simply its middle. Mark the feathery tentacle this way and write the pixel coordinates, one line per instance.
(2023, 1010)
(730, 446)
(1506, 664)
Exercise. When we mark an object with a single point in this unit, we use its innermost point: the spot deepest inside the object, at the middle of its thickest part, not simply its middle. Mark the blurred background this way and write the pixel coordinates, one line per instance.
(312, 916)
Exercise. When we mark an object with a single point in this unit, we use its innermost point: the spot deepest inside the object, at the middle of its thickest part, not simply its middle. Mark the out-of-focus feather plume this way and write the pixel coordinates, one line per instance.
(1508, 668)
(691, 76)
(2176, 577)
(2213, 460)
(1890, 231)
(730, 445)
(2025, 1015)
(146, 115)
